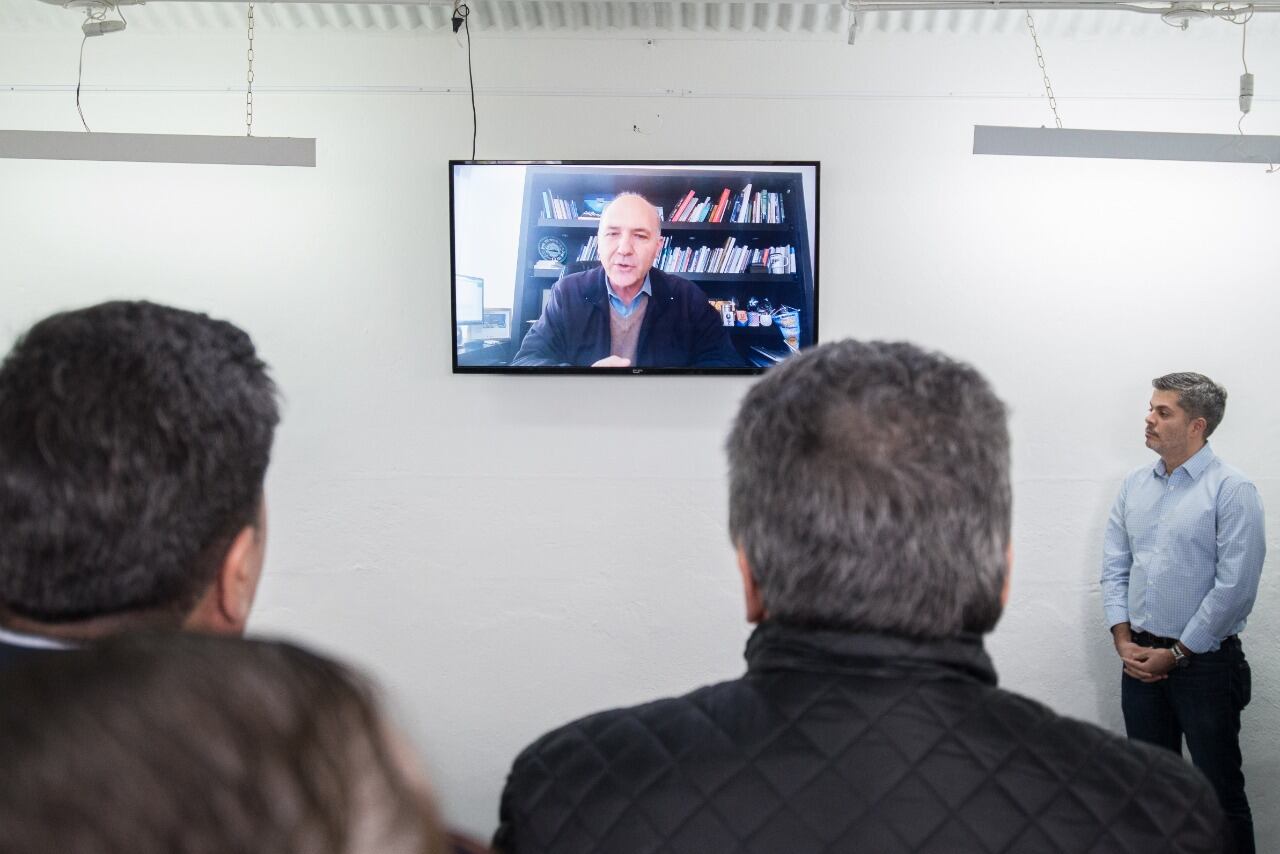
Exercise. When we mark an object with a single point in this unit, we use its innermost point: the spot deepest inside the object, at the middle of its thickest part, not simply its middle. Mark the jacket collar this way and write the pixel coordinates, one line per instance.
(776, 646)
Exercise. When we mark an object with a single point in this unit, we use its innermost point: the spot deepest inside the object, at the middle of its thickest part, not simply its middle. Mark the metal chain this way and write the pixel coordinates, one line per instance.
(248, 95)
(1048, 87)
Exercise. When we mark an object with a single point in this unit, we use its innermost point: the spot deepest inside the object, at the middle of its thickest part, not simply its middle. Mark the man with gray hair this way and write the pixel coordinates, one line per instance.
(625, 313)
(1183, 553)
(869, 505)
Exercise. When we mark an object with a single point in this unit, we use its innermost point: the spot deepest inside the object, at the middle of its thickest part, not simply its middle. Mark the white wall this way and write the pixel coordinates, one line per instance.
(482, 543)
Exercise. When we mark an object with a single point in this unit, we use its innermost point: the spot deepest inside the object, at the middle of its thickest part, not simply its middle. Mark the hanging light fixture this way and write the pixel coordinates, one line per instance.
(247, 150)
(1140, 145)
(1126, 144)
(157, 148)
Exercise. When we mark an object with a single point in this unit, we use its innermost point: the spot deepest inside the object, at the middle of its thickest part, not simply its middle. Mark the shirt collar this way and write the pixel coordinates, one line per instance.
(32, 641)
(615, 300)
(1195, 466)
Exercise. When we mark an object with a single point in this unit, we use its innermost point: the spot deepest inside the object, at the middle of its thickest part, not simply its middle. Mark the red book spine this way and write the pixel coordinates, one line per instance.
(718, 214)
(680, 209)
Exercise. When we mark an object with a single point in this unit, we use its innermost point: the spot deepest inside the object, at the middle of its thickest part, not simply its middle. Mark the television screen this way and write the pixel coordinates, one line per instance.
(632, 267)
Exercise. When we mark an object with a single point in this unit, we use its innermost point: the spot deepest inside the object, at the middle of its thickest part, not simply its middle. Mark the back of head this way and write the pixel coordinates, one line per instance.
(134, 440)
(202, 745)
(869, 490)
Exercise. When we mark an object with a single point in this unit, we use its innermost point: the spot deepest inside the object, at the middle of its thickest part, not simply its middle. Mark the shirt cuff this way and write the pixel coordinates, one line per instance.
(1116, 614)
(1198, 640)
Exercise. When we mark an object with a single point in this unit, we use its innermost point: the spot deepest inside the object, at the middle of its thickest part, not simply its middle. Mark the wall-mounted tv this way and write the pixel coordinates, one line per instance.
(632, 267)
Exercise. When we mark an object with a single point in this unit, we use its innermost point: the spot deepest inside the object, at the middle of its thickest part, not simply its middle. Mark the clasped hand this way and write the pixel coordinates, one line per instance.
(1143, 663)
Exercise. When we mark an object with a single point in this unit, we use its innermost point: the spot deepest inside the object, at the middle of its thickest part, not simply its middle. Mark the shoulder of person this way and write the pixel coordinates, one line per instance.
(1228, 476)
(1169, 800)
(582, 283)
(610, 732)
(676, 287)
(1188, 812)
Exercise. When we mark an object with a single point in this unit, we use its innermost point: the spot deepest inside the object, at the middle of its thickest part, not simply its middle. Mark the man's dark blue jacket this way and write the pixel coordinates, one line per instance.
(680, 329)
(11, 654)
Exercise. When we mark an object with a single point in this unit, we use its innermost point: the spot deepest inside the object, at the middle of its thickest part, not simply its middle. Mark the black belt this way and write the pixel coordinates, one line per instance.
(1142, 638)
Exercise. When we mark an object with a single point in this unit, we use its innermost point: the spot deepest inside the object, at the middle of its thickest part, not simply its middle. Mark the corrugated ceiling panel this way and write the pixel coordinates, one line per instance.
(593, 17)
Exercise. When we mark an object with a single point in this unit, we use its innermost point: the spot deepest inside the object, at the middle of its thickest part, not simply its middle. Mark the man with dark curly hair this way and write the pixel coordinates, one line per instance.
(134, 441)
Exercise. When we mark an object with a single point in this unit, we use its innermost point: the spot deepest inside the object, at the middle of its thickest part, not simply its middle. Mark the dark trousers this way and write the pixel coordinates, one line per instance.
(1201, 703)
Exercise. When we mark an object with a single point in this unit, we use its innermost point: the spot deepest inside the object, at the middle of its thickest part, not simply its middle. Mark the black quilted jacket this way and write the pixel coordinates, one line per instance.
(837, 742)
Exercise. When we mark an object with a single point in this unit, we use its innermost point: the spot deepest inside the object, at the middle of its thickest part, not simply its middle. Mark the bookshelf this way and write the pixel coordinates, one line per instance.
(565, 192)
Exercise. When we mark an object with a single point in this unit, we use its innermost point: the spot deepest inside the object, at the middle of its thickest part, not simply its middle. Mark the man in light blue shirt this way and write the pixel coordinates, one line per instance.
(1181, 561)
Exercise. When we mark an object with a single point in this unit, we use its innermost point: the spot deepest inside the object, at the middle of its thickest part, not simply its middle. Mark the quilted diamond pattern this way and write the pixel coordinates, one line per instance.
(836, 742)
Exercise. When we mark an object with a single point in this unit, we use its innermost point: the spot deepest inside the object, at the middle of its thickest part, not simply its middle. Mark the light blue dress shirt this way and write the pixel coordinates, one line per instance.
(619, 307)
(1184, 551)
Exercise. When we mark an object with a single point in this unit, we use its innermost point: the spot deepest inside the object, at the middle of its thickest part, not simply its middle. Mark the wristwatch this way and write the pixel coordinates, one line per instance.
(1180, 658)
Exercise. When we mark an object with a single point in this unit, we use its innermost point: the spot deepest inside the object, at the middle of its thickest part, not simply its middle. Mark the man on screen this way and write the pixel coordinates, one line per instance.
(625, 313)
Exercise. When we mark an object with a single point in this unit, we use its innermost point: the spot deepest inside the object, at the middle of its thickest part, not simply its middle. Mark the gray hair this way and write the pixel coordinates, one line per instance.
(869, 489)
(1199, 397)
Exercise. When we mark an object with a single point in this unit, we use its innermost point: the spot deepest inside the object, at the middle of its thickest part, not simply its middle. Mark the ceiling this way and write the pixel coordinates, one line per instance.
(679, 18)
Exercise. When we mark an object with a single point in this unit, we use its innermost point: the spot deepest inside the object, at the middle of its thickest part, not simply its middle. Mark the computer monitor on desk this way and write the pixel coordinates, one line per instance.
(468, 305)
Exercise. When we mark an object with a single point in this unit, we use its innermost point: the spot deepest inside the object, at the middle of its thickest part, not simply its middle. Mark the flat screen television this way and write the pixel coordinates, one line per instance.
(632, 267)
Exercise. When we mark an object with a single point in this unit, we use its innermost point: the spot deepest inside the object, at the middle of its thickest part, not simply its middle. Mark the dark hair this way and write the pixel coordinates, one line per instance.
(1199, 397)
(134, 440)
(152, 744)
(869, 489)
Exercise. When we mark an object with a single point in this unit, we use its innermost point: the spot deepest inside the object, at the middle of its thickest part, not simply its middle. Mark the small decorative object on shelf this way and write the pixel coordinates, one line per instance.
(552, 248)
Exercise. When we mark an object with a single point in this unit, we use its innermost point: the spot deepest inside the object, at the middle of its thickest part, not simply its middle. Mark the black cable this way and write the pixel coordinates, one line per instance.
(79, 75)
(465, 11)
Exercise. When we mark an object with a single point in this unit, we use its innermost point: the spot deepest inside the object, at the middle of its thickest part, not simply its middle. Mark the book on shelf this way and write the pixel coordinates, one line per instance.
(678, 211)
(730, 246)
(718, 214)
(554, 207)
(745, 198)
(728, 258)
(743, 207)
